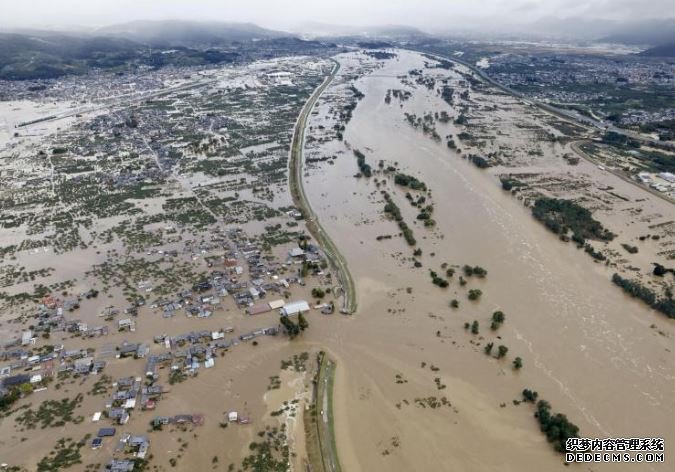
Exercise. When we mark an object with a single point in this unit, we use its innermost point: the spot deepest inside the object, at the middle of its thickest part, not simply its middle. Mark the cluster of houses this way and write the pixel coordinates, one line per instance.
(245, 275)
(36, 370)
(126, 396)
(264, 277)
(129, 445)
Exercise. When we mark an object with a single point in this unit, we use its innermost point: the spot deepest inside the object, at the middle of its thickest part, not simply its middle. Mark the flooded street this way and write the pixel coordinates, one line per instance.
(581, 340)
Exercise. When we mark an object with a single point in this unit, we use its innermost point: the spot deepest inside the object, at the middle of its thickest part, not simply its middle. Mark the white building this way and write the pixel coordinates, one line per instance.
(27, 338)
(294, 308)
(296, 252)
(667, 176)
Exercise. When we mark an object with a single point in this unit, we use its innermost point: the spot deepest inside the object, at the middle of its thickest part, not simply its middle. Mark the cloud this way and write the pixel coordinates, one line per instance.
(426, 14)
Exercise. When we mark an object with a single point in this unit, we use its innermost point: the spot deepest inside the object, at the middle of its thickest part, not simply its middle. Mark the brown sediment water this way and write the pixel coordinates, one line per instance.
(587, 349)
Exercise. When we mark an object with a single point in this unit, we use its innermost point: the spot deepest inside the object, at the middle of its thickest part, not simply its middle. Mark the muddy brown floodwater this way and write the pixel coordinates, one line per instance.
(587, 349)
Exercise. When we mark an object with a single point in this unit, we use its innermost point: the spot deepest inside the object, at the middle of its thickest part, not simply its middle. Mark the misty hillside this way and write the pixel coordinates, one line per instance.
(188, 33)
(568, 28)
(664, 50)
(381, 31)
(652, 32)
(46, 54)
(35, 54)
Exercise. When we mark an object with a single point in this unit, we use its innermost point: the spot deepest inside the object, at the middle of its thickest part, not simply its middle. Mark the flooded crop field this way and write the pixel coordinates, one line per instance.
(148, 245)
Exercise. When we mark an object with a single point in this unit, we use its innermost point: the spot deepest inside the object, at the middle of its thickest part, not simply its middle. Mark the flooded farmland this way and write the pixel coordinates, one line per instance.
(148, 245)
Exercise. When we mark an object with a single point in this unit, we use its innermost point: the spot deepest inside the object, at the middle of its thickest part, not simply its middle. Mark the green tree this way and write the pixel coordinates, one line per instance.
(291, 328)
(302, 322)
(501, 351)
(474, 327)
(497, 320)
(475, 294)
(488, 348)
(530, 395)
(517, 363)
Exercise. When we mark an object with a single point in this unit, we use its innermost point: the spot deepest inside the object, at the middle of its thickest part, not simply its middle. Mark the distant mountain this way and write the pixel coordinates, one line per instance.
(664, 50)
(395, 31)
(188, 33)
(639, 32)
(44, 54)
(651, 32)
(583, 29)
(47, 54)
(314, 29)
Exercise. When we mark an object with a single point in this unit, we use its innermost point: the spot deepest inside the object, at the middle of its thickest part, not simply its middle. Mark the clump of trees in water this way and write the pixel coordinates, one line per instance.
(478, 271)
(357, 93)
(660, 270)
(380, 55)
(597, 255)
(478, 161)
(438, 281)
(390, 208)
(447, 93)
(475, 294)
(409, 181)
(509, 183)
(630, 249)
(365, 168)
(425, 215)
(498, 318)
(561, 216)
(557, 428)
(635, 289)
(347, 110)
(293, 329)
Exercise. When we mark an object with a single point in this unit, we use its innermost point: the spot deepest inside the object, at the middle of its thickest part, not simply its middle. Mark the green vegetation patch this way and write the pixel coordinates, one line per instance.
(561, 216)
(52, 413)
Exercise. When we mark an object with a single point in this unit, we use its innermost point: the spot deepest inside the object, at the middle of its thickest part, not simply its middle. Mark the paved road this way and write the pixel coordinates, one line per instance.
(325, 427)
(296, 160)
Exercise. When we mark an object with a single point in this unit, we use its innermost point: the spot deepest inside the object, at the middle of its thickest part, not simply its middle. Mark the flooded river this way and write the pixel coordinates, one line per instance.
(594, 354)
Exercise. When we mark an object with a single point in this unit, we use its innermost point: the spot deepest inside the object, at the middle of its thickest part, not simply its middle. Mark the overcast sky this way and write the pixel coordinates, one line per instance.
(426, 14)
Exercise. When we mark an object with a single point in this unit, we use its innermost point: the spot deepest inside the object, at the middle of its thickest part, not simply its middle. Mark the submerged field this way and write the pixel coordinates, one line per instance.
(137, 234)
